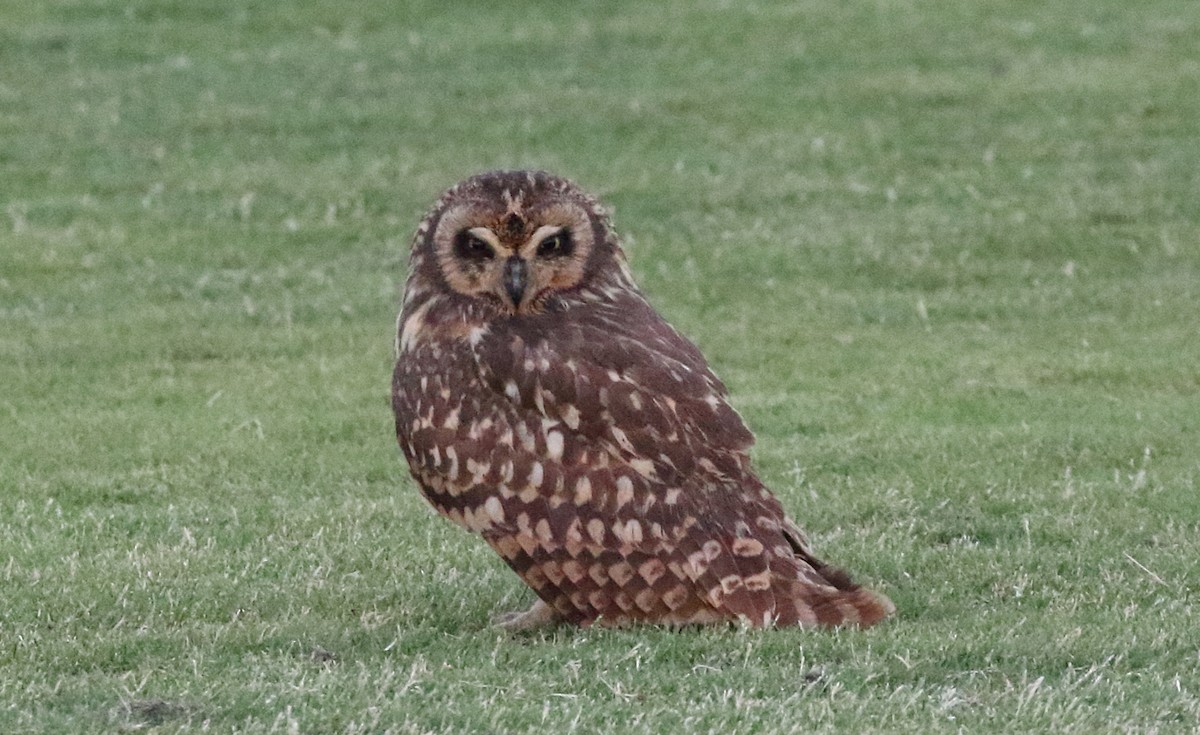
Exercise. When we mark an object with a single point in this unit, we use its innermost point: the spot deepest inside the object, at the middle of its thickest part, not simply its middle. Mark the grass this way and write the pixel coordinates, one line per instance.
(947, 258)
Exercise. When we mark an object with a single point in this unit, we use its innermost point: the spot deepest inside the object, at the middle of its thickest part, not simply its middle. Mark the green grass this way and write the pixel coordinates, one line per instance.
(947, 257)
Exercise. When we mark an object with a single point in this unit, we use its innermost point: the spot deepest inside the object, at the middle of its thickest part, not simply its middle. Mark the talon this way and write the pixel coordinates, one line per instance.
(540, 615)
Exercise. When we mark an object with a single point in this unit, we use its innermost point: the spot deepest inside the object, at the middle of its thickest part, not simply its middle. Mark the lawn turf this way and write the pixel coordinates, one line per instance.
(946, 257)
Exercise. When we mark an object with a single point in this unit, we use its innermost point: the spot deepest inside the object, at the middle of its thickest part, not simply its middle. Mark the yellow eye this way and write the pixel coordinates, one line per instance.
(471, 247)
(557, 245)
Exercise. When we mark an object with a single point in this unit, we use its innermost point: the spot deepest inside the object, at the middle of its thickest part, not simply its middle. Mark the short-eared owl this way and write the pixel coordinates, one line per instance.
(542, 403)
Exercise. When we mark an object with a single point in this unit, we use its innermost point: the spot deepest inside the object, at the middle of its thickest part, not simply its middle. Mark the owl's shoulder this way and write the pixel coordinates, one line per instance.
(619, 366)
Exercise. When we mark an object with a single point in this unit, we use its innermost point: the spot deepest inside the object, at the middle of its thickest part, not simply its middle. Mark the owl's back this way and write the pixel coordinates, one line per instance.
(598, 455)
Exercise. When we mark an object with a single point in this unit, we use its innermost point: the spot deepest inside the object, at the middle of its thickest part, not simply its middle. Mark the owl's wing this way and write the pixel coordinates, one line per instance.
(627, 381)
(653, 511)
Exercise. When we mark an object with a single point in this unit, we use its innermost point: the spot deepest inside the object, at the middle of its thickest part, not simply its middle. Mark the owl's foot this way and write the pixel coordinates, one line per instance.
(540, 615)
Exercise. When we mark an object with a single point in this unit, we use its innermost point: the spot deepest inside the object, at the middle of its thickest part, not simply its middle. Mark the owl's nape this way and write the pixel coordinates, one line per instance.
(542, 403)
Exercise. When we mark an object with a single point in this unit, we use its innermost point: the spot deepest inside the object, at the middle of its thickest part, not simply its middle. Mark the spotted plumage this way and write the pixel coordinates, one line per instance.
(542, 403)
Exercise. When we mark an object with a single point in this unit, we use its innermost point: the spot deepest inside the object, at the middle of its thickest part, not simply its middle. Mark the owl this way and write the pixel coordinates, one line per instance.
(544, 404)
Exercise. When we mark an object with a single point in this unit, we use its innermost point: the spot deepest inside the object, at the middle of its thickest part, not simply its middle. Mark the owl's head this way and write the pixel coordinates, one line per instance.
(517, 243)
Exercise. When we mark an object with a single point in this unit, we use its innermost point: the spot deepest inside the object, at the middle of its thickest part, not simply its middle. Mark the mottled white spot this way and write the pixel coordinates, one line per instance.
(652, 570)
(575, 534)
(413, 326)
(475, 336)
(614, 376)
(573, 570)
(623, 440)
(624, 491)
(583, 491)
(673, 496)
(530, 546)
(507, 546)
(528, 441)
(452, 455)
(511, 390)
(646, 599)
(760, 581)
(478, 470)
(629, 532)
(494, 509)
(543, 531)
(767, 523)
(635, 400)
(621, 573)
(711, 549)
(570, 415)
(595, 529)
(451, 421)
(675, 597)
(536, 474)
(747, 547)
(554, 445)
(599, 574)
(712, 400)
(643, 467)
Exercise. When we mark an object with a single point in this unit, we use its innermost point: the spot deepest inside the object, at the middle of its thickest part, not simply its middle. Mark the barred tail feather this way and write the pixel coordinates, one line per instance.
(846, 604)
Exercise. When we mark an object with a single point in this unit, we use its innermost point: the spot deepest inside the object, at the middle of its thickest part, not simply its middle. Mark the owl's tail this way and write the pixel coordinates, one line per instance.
(841, 602)
(825, 595)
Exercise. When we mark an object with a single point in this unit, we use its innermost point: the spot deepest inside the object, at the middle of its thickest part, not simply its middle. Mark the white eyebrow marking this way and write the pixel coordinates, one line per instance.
(486, 235)
(540, 234)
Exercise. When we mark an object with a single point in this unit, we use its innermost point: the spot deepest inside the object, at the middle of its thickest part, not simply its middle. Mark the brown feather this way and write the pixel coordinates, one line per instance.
(584, 438)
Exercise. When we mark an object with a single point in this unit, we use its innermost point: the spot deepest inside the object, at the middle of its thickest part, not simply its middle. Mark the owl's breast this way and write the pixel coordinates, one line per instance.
(462, 442)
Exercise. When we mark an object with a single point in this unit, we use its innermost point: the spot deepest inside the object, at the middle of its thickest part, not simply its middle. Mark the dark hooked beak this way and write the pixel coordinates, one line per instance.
(515, 278)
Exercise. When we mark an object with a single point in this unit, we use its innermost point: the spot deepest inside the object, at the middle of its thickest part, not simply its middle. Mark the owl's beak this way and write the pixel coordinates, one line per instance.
(516, 274)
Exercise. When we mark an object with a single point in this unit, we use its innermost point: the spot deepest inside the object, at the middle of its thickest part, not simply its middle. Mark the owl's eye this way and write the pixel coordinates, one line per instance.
(557, 245)
(472, 247)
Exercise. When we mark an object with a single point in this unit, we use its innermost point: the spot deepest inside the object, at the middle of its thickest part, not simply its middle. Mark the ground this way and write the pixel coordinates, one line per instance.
(946, 256)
